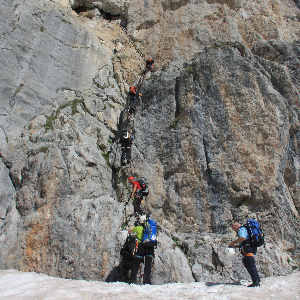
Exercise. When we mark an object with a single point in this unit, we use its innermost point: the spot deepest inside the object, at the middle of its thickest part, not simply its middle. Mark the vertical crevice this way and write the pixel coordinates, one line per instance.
(177, 108)
(208, 170)
(216, 260)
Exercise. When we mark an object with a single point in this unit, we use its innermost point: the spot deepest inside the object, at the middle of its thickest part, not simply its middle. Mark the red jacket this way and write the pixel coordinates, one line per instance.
(137, 184)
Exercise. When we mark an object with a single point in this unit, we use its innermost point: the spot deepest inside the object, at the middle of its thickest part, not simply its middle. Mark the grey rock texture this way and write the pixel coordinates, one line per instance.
(171, 265)
(60, 104)
(48, 50)
(62, 199)
(7, 191)
(217, 139)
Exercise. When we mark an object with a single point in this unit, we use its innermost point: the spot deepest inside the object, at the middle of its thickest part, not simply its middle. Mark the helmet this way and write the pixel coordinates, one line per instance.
(130, 178)
(230, 252)
(142, 219)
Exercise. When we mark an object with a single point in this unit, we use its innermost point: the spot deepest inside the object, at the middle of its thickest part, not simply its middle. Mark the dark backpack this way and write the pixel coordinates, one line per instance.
(129, 247)
(125, 134)
(144, 186)
(150, 234)
(126, 137)
(256, 236)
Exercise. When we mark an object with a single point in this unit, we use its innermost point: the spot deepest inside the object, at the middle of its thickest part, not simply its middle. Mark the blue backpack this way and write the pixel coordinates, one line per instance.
(150, 234)
(256, 236)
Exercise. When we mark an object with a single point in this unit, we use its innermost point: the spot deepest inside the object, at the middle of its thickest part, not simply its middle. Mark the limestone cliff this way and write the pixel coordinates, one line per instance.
(216, 134)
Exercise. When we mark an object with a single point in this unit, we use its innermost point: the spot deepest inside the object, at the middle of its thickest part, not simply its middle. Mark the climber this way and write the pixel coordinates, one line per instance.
(126, 141)
(133, 96)
(141, 253)
(127, 254)
(136, 195)
(149, 65)
(248, 251)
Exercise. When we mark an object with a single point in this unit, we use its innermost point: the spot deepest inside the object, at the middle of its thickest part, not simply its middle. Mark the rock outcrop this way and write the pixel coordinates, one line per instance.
(216, 134)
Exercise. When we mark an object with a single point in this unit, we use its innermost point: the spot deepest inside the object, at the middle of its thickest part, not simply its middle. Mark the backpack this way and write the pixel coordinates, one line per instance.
(149, 61)
(129, 247)
(125, 135)
(149, 234)
(256, 236)
(133, 90)
(144, 186)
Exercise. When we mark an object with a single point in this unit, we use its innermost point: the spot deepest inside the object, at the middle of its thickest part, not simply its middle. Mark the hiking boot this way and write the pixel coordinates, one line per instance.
(254, 284)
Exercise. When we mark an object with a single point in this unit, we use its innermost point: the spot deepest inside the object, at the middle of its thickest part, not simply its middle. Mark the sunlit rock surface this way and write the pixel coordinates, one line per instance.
(166, 29)
(216, 134)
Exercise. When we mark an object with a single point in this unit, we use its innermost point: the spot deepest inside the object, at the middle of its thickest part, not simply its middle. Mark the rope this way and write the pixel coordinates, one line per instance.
(133, 43)
(128, 124)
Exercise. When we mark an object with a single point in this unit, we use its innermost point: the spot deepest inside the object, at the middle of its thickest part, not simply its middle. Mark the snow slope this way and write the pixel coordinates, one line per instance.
(21, 285)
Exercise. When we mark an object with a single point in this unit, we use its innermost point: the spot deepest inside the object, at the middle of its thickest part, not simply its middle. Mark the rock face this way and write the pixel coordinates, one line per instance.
(165, 29)
(6, 191)
(113, 7)
(60, 103)
(217, 137)
(223, 136)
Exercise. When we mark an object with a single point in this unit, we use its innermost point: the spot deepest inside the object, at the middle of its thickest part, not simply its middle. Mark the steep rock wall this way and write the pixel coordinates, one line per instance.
(60, 103)
(222, 137)
(64, 83)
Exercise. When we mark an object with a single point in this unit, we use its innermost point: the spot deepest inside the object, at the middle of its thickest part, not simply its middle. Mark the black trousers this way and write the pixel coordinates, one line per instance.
(125, 267)
(126, 151)
(137, 204)
(141, 253)
(149, 67)
(249, 262)
(133, 102)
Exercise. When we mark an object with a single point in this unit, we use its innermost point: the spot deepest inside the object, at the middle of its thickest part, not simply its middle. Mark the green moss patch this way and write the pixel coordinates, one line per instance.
(74, 106)
(174, 123)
